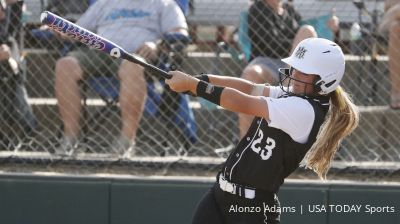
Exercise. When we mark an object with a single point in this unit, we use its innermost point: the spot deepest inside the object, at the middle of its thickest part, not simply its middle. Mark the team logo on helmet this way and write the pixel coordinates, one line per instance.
(300, 52)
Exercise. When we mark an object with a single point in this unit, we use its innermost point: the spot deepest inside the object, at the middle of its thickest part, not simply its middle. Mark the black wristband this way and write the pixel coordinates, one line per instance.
(209, 92)
(202, 77)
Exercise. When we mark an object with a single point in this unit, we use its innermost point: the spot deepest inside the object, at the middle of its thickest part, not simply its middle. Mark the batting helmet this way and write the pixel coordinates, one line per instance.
(322, 57)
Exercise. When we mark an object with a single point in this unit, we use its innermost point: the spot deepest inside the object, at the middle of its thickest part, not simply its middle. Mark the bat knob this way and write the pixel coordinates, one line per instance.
(43, 17)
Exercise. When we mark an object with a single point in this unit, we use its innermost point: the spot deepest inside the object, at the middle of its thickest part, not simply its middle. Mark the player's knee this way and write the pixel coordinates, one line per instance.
(395, 28)
(307, 31)
(130, 71)
(256, 74)
(252, 73)
(68, 68)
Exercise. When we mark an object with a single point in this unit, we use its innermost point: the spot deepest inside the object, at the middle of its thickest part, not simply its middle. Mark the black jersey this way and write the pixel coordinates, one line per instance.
(266, 156)
(271, 34)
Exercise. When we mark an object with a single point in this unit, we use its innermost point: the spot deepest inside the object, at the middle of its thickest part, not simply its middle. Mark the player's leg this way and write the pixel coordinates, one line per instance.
(305, 31)
(68, 72)
(394, 62)
(207, 211)
(133, 93)
(391, 23)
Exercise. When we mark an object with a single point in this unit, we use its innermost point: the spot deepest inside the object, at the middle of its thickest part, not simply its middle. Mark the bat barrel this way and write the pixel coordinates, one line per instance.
(92, 40)
(80, 34)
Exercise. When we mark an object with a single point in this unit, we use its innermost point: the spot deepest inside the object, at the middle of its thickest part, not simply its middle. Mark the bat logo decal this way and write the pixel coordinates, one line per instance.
(74, 32)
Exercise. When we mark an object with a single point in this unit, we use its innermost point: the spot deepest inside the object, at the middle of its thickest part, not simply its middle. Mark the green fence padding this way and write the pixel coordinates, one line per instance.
(154, 203)
(297, 201)
(375, 205)
(31, 199)
(53, 201)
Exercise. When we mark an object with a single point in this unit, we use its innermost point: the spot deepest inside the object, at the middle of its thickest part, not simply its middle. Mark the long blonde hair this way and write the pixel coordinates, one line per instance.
(341, 120)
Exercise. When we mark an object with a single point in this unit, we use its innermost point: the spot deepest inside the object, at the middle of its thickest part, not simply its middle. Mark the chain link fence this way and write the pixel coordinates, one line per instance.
(187, 135)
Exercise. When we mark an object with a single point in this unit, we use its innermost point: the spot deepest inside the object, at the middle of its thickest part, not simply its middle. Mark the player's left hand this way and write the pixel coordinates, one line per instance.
(182, 82)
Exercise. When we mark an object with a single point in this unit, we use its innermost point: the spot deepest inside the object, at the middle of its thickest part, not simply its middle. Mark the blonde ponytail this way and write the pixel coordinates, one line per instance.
(341, 120)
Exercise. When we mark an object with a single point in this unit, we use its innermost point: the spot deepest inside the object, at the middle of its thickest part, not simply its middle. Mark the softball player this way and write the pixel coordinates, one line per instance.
(286, 128)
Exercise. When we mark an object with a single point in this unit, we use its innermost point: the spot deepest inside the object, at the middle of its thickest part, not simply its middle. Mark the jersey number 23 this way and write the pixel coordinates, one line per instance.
(266, 152)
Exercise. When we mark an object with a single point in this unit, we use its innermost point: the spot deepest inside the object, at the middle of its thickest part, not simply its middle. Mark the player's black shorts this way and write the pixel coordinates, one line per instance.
(219, 207)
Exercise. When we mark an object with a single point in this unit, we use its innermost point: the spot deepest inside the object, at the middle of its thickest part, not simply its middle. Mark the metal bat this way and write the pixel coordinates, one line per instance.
(95, 41)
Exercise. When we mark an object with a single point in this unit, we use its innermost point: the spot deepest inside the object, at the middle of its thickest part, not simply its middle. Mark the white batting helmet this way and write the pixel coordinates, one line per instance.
(322, 57)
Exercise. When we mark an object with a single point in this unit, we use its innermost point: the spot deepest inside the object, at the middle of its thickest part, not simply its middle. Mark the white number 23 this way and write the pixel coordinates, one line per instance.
(265, 153)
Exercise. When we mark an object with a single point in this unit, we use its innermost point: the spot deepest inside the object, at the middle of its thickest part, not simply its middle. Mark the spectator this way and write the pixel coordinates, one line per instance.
(134, 25)
(15, 112)
(391, 23)
(274, 31)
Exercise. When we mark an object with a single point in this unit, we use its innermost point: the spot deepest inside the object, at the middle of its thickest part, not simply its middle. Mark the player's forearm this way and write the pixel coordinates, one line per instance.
(230, 99)
(234, 101)
(242, 85)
